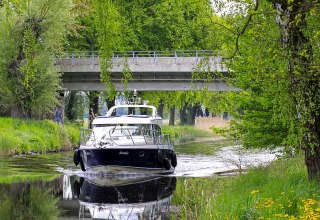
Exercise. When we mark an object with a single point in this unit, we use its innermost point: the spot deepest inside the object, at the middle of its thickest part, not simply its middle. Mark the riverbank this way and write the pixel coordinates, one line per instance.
(18, 136)
(189, 133)
(280, 190)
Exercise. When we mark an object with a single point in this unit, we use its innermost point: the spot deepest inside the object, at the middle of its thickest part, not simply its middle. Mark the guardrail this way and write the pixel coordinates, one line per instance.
(93, 56)
(132, 54)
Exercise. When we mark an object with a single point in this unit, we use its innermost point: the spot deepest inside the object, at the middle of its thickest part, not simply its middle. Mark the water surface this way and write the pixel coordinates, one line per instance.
(50, 186)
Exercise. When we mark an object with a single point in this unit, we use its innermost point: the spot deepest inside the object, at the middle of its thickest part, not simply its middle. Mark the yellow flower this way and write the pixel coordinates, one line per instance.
(255, 191)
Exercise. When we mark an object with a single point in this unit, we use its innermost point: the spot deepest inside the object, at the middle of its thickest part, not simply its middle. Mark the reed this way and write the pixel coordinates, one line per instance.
(278, 191)
(25, 136)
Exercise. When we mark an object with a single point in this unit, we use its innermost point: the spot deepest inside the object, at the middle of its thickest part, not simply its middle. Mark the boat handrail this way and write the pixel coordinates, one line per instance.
(167, 140)
(85, 135)
(126, 132)
(88, 136)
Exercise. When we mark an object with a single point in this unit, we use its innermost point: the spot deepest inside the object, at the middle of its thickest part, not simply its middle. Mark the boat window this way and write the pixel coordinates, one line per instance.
(100, 130)
(132, 111)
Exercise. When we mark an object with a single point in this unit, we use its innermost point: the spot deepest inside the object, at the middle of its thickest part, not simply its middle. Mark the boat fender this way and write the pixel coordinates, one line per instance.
(167, 164)
(160, 156)
(76, 189)
(174, 159)
(82, 165)
(76, 157)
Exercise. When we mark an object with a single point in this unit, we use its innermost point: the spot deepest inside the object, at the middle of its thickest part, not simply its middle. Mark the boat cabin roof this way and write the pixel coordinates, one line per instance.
(130, 114)
(137, 110)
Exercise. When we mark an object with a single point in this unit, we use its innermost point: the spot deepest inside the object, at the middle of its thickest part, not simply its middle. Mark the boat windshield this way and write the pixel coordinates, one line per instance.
(126, 129)
(119, 111)
(124, 134)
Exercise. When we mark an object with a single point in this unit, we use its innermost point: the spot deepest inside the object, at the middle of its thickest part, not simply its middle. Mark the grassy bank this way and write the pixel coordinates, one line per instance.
(185, 132)
(24, 136)
(278, 191)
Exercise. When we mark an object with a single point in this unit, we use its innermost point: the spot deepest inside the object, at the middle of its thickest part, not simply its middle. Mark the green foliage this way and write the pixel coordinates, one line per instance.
(29, 80)
(144, 25)
(185, 132)
(23, 136)
(83, 36)
(74, 105)
(32, 203)
(264, 111)
(254, 124)
(214, 101)
(279, 190)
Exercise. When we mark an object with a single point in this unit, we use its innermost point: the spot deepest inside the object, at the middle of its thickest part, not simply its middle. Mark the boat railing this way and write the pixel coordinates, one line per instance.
(136, 137)
(124, 136)
(166, 140)
(87, 137)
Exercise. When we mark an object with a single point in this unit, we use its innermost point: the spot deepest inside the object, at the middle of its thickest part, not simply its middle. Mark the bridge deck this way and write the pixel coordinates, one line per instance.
(148, 73)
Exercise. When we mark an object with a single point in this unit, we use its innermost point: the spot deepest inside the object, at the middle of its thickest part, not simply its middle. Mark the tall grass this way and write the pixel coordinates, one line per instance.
(279, 191)
(25, 136)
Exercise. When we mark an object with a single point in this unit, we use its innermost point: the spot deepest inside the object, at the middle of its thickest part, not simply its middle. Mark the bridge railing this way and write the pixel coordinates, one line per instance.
(131, 54)
(92, 57)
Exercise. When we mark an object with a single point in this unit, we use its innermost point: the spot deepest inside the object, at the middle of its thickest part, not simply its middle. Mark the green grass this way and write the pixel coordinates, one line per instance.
(278, 191)
(185, 133)
(30, 202)
(20, 177)
(24, 136)
(202, 147)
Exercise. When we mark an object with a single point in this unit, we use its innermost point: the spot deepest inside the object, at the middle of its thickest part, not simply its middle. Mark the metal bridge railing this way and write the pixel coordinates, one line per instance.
(92, 57)
(132, 54)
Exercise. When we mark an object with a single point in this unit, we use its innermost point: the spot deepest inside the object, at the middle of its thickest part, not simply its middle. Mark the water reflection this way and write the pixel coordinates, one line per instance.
(121, 197)
(30, 200)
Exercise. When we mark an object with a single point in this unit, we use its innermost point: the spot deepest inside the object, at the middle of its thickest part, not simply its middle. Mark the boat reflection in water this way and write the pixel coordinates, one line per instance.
(127, 198)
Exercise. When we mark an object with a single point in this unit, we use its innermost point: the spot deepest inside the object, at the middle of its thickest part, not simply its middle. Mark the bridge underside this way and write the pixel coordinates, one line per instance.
(149, 86)
(148, 74)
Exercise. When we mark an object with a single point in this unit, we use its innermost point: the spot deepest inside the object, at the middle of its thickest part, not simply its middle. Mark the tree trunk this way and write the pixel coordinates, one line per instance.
(183, 115)
(194, 112)
(94, 102)
(69, 111)
(160, 108)
(110, 103)
(312, 161)
(17, 112)
(304, 77)
(172, 114)
(93, 106)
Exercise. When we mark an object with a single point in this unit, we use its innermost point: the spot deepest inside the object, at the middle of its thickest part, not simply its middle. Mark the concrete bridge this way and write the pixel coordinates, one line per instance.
(151, 71)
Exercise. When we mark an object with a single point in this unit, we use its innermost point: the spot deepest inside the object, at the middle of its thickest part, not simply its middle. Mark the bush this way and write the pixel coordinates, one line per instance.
(25, 136)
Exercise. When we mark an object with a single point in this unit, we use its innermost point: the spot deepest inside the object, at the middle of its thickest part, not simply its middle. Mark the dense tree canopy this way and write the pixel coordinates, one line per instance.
(271, 47)
(30, 33)
(275, 55)
(149, 25)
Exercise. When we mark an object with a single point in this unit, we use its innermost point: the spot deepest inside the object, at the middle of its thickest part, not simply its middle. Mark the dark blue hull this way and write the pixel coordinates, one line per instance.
(144, 191)
(127, 160)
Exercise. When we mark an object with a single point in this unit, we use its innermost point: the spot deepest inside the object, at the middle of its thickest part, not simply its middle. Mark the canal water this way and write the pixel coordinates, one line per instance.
(49, 186)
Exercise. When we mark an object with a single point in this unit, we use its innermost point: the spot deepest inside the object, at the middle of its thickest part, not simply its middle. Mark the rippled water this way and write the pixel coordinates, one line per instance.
(44, 186)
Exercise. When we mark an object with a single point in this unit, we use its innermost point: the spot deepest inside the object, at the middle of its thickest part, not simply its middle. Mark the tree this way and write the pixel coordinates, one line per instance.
(75, 105)
(83, 36)
(275, 59)
(148, 25)
(31, 32)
